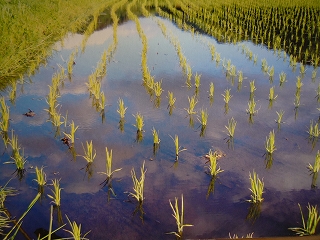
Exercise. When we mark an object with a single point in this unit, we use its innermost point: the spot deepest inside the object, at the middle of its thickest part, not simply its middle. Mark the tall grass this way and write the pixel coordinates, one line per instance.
(56, 192)
(138, 184)
(213, 168)
(178, 214)
(257, 187)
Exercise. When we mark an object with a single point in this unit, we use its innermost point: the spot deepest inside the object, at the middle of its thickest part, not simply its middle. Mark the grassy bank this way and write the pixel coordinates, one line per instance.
(28, 28)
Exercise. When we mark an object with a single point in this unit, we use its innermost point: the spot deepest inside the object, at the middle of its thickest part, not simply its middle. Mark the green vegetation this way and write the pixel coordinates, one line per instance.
(213, 169)
(270, 143)
(179, 217)
(192, 104)
(122, 109)
(138, 184)
(75, 230)
(178, 148)
(257, 186)
(309, 226)
(89, 152)
(56, 192)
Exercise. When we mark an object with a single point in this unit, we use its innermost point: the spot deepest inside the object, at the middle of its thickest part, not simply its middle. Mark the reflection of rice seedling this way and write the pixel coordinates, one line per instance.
(122, 109)
(192, 103)
(282, 77)
(138, 184)
(179, 217)
(75, 230)
(171, 99)
(231, 127)
(177, 147)
(264, 65)
(197, 78)
(316, 166)
(204, 117)
(139, 122)
(270, 143)
(73, 130)
(314, 74)
(56, 191)
(218, 58)
(272, 97)
(156, 139)
(256, 189)
(308, 227)
(233, 71)
(227, 96)
(109, 170)
(89, 152)
(213, 170)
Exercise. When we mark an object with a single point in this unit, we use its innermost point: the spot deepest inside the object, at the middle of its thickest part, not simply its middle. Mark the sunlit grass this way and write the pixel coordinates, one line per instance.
(227, 96)
(231, 127)
(270, 143)
(155, 133)
(257, 187)
(139, 122)
(192, 104)
(203, 119)
(213, 168)
(56, 192)
(5, 115)
(171, 99)
(178, 148)
(138, 184)
(73, 130)
(178, 215)
(309, 225)
(316, 166)
(41, 177)
(121, 108)
(89, 152)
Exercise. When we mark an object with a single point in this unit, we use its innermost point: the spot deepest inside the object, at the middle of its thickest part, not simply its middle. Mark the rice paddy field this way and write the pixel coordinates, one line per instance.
(162, 120)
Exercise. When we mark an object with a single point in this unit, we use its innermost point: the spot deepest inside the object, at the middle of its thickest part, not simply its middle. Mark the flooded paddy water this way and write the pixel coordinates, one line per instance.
(214, 208)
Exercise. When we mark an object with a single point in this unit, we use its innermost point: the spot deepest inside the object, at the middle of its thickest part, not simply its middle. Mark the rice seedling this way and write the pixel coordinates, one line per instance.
(231, 127)
(299, 83)
(192, 103)
(280, 117)
(89, 152)
(5, 116)
(218, 58)
(302, 69)
(56, 192)
(204, 117)
(178, 148)
(264, 65)
(252, 107)
(271, 72)
(214, 170)
(109, 172)
(270, 143)
(73, 130)
(211, 90)
(179, 217)
(71, 63)
(318, 93)
(235, 236)
(197, 78)
(171, 99)
(252, 86)
(138, 184)
(156, 139)
(309, 225)
(18, 158)
(316, 166)
(240, 76)
(121, 108)
(257, 186)
(227, 96)
(4, 221)
(41, 177)
(157, 88)
(314, 74)
(272, 96)
(282, 77)
(139, 122)
(6, 191)
(76, 231)
(313, 130)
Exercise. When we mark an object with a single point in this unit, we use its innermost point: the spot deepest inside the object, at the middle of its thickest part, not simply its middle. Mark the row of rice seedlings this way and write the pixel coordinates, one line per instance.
(309, 225)
(249, 54)
(178, 215)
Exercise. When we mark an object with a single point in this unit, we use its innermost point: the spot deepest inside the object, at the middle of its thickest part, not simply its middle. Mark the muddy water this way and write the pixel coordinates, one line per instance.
(287, 181)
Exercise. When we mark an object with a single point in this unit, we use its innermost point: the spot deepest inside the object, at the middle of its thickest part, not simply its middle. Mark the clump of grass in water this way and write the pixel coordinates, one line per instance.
(313, 130)
(75, 230)
(231, 127)
(5, 115)
(213, 170)
(316, 166)
(299, 83)
(109, 172)
(270, 143)
(139, 122)
(308, 227)
(178, 148)
(41, 178)
(56, 192)
(204, 117)
(282, 77)
(179, 217)
(235, 236)
(272, 96)
(192, 104)
(156, 139)
(280, 117)
(122, 109)
(5, 192)
(157, 88)
(73, 130)
(89, 152)
(211, 90)
(138, 184)
(257, 186)
(227, 96)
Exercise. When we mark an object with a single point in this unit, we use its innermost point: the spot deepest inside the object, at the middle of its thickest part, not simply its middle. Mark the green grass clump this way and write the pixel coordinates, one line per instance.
(139, 122)
(270, 143)
(316, 166)
(73, 130)
(76, 231)
(138, 184)
(257, 186)
(178, 148)
(89, 152)
(203, 117)
(121, 108)
(179, 217)
(308, 227)
(56, 192)
(231, 127)
(192, 104)
(109, 172)
(227, 96)
(212, 167)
